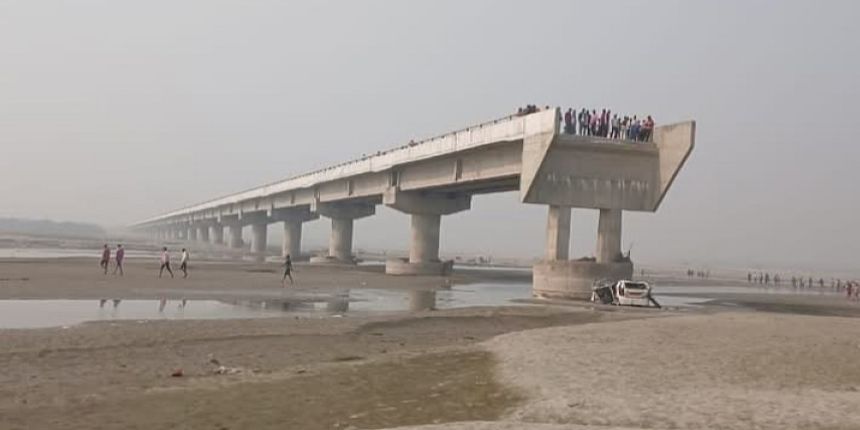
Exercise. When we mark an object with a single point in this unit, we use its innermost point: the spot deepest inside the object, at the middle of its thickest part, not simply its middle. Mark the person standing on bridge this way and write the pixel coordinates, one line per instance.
(165, 262)
(288, 270)
(105, 261)
(583, 122)
(607, 116)
(569, 125)
(593, 122)
(616, 126)
(647, 129)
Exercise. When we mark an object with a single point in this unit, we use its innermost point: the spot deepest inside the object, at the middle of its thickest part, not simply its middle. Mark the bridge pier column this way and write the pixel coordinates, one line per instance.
(340, 242)
(425, 238)
(292, 244)
(259, 241)
(217, 234)
(181, 233)
(192, 233)
(235, 232)
(558, 277)
(203, 233)
(609, 236)
(426, 211)
(293, 219)
(343, 216)
(558, 233)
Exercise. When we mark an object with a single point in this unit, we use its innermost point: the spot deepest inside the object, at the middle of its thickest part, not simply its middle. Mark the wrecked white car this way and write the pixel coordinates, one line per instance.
(623, 293)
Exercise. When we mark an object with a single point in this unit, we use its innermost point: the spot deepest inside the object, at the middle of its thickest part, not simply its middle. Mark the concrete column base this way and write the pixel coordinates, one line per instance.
(402, 266)
(329, 260)
(574, 279)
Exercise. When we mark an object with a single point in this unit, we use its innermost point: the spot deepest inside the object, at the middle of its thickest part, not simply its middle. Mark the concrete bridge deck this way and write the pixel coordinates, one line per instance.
(438, 176)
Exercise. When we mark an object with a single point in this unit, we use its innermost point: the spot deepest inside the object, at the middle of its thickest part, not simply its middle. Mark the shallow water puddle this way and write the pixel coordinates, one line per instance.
(52, 313)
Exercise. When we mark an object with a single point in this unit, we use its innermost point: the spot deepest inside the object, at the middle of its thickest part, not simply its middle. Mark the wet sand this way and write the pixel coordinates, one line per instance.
(81, 278)
(708, 368)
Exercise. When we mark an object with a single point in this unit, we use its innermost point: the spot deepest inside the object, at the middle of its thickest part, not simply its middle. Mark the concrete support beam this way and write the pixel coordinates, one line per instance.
(609, 236)
(342, 217)
(343, 210)
(426, 203)
(558, 233)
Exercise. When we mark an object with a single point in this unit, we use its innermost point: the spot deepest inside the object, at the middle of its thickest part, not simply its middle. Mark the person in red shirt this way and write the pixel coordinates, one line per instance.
(648, 129)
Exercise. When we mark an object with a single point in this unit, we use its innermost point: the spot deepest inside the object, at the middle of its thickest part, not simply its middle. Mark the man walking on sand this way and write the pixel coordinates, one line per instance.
(183, 263)
(105, 261)
(165, 262)
(288, 270)
(120, 255)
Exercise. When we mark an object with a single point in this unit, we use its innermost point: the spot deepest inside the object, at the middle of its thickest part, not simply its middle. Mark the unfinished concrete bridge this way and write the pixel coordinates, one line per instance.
(439, 176)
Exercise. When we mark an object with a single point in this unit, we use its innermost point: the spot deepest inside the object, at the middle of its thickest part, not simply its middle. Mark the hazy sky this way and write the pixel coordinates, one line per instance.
(113, 111)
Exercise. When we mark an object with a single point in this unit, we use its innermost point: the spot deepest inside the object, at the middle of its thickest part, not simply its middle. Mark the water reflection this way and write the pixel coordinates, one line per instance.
(49, 313)
(422, 301)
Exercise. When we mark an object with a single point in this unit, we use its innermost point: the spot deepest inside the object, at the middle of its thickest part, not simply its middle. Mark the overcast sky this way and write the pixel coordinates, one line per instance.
(113, 111)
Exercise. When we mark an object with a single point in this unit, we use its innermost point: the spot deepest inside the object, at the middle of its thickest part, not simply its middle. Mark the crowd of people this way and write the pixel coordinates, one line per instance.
(850, 288)
(601, 124)
(607, 124)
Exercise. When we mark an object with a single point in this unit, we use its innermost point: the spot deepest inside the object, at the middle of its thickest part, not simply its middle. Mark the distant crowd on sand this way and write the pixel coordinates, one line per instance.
(603, 124)
(703, 274)
(164, 260)
(851, 288)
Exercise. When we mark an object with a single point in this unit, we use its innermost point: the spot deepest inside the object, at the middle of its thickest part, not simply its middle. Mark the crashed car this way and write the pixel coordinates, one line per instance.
(623, 293)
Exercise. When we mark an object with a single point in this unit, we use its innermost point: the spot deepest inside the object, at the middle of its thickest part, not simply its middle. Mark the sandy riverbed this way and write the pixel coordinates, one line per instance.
(541, 365)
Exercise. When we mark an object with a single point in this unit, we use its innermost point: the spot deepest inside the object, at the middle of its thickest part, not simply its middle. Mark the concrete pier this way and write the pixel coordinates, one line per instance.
(292, 242)
(426, 210)
(259, 240)
(293, 220)
(203, 233)
(425, 238)
(340, 241)
(342, 216)
(235, 233)
(192, 234)
(217, 234)
(558, 233)
(558, 277)
(609, 236)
